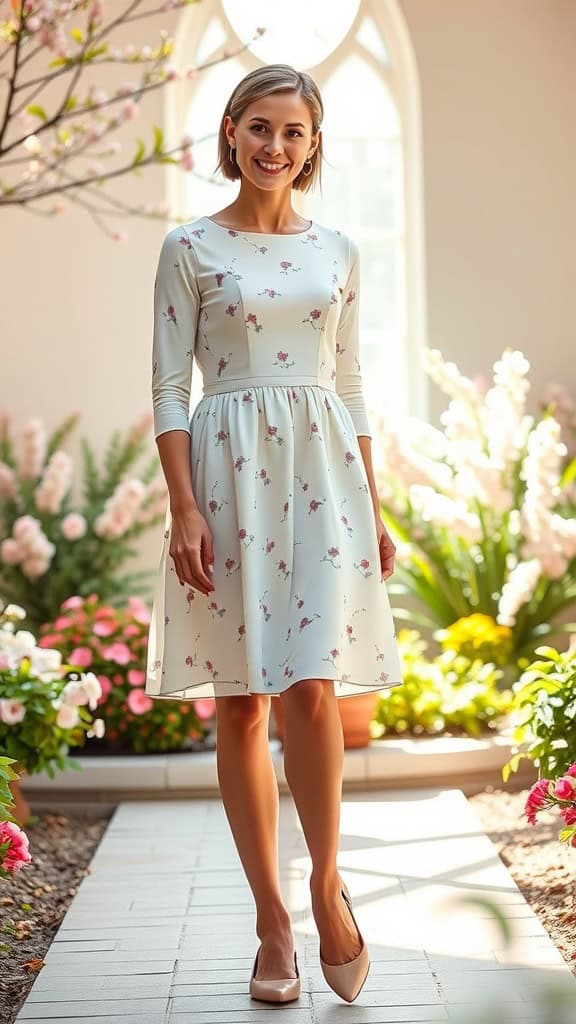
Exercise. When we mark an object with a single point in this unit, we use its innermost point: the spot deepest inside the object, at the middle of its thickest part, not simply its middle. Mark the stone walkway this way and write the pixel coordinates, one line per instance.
(162, 929)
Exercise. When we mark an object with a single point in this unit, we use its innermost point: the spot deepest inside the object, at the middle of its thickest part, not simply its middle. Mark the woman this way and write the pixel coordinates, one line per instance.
(274, 528)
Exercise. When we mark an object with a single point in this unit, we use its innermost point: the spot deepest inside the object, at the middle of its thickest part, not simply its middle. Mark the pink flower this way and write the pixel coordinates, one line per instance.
(205, 708)
(136, 677)
(17, 853)
(537, 799)
(72, 602)
(105, 611)
(571, 770)
(564, 789)
(117, 652)
(81, 656)
(104, 628)
(105, 685)
(139, 702)
(50, 640)
(569, 815)
(131, 630)
(62, 622)
(73, 526)
(12, 711)
(140, 610)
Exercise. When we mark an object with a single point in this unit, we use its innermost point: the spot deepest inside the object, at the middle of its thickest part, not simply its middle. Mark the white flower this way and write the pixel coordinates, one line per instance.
(14, 611)
(67, 716)
(12, 711)
(73, 526)
(517, 590)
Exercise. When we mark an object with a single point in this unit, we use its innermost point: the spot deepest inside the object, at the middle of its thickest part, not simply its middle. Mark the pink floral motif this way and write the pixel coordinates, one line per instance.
(221, 436)
(364, 567)
(231, 309)
(283, 569)
(190, 597)
(315, 314)
(333, 553)
(383, 677)
(271, 293)
(304, 485)
(262, 474)
(349, 458)
(191, 660)
(287, 266)
(241, 631)
(239, 462)
(209, 666)
(215, 610)
(247, 397)
(350, 634)
(305, 621)
(268, 547)
(314, 504)
(214, 505)
(170, 315)
(220, 275)
(243, 536)
(223, 363)
(350, 298)
(273, 435)
(285, 511)
(252, 319)
(267, 615)
(281, 358)
(231, 566)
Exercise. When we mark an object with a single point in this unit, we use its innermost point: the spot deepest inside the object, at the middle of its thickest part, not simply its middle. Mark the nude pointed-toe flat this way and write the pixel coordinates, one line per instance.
(347, 979)
(275, 990)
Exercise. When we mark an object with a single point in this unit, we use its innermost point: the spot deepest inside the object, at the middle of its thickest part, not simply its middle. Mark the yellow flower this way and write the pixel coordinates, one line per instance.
(478, 636)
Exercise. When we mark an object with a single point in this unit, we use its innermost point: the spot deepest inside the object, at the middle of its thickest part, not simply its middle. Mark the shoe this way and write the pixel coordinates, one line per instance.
(347, 979)
(275, 990)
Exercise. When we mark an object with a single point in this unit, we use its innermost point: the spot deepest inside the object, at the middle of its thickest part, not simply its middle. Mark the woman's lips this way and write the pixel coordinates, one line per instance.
(265, 170)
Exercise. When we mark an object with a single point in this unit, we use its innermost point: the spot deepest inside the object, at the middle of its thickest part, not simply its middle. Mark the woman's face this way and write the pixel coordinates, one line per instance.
(274, 130)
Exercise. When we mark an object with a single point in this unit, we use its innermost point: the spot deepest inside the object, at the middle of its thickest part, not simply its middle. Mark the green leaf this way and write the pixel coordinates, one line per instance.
(140, 151)
(158, 139)
(37, 111)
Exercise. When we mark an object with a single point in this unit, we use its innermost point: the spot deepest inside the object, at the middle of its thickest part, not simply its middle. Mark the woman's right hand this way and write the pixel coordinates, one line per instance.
(191, 549)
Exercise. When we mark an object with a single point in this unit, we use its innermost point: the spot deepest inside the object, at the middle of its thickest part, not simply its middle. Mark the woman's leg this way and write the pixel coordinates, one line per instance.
(313, 764)
(250, 795)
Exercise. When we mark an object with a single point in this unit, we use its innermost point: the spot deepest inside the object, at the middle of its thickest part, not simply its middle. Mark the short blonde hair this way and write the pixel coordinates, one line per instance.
(263, 81)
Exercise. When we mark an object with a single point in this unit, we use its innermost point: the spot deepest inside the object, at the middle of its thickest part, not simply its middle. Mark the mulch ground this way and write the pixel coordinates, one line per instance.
(33, 904)
(542, 867)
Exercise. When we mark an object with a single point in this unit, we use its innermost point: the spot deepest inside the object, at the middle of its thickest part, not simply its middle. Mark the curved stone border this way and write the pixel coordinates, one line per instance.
(395, 763)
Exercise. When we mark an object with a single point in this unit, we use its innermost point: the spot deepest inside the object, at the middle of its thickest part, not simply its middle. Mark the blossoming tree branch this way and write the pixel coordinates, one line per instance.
(56, 132)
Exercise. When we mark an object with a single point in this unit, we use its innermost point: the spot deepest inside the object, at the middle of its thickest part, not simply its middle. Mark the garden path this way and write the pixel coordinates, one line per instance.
(161, 931)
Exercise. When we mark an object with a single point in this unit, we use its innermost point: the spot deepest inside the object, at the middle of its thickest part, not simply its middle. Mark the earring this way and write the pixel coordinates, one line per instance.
(309, 171)
(231, 154)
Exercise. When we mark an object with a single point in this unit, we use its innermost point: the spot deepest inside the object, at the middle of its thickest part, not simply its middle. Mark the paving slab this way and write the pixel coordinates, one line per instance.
(162, 929)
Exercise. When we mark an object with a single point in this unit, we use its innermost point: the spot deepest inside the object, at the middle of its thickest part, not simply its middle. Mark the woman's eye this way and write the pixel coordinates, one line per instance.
(290, 129)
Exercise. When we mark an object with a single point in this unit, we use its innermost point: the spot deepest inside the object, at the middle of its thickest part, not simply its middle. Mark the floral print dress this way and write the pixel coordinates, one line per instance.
(271, 320)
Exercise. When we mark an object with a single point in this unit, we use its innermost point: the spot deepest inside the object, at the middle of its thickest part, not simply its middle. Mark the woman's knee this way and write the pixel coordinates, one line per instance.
(307, 696)
(242, 711)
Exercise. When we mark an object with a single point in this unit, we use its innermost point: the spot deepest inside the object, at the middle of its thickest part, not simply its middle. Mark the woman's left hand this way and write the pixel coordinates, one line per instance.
(386, 547)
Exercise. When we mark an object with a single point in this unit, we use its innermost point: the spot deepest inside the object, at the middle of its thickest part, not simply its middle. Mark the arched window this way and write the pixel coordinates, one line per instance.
(360, 54)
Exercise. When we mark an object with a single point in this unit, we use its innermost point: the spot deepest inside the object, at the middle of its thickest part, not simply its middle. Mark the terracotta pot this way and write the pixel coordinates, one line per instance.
(21, 809)
(355, 714)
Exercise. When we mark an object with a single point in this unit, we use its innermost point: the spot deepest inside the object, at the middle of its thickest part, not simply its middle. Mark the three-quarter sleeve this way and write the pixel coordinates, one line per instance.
(176, 310)
(348, 375)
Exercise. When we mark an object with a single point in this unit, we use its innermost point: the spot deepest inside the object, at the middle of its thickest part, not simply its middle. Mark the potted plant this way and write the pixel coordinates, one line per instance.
(44, 704)
(112, 643)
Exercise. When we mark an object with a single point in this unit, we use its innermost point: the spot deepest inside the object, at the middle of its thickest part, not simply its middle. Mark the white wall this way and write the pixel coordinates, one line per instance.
(498, 87)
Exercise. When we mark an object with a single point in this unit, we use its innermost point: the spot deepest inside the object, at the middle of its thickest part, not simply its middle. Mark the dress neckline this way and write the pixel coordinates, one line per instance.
(263, 234)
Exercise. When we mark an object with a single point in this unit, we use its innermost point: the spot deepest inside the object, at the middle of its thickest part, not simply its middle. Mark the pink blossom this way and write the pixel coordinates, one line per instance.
(136, 677)
(106, 686)
(67, 716)
(81, 656)
(11, 551)
(537, 799)
(72, 602)
(139, 702)
(130, 630)
(564, 789)
(104, 628)
(187, 160)
(571, 770)
(18, 852)
(50, 640)
(117, 652)
(63, 622)
(205, 708)
(73, 526)
(569, 815)
(12, 711)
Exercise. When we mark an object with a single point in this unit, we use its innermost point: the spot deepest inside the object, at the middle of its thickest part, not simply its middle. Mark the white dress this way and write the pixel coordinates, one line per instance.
(277, 472)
